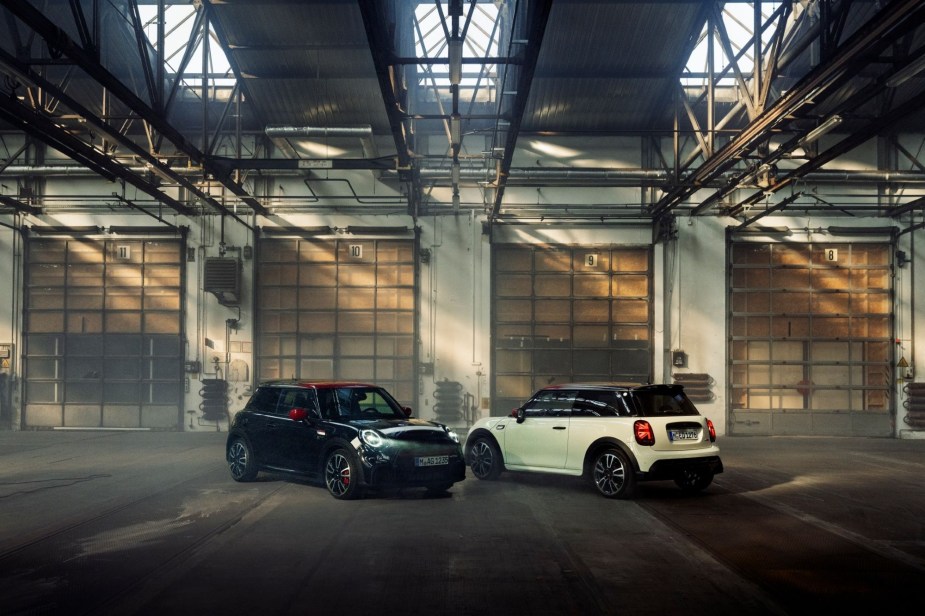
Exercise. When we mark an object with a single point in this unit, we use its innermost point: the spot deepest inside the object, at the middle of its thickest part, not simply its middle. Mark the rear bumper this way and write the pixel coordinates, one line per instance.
(669, 469)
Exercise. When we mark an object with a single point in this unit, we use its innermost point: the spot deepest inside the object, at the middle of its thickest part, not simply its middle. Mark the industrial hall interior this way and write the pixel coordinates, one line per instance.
(463, 201)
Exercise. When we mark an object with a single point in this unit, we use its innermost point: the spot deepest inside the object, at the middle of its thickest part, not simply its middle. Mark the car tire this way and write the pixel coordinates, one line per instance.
(694, 479)
(241, 460)
(612, 474)
(485, 458)
(342, 474)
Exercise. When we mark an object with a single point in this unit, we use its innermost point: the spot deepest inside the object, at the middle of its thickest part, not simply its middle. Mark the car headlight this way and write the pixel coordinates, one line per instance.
(371, 438)
(452, 434)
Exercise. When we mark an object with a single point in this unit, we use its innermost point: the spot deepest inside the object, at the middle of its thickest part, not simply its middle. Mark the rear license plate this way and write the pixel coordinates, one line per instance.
(432, 461)
(683, 435)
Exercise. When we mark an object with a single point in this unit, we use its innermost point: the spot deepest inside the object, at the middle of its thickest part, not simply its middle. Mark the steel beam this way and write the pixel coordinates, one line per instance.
(813, 88)
(58, 39)
(538, 13)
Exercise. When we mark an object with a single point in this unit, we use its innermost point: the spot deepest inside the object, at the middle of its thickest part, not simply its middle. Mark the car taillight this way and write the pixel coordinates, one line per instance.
(712, 430)
(643, 431)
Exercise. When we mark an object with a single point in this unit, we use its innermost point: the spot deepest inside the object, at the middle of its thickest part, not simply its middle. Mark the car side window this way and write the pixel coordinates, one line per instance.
(554, 403)
(327, 403)
(296, 398)
(265, 400)
(600, 403)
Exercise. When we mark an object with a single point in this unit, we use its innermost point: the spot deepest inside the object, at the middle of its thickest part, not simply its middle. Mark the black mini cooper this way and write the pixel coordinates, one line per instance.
(350, 435)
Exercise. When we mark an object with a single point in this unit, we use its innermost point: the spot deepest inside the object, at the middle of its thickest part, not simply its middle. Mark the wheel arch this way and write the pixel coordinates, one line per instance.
(235, 435)
(607, 442)
(478, 433)
(331, 445)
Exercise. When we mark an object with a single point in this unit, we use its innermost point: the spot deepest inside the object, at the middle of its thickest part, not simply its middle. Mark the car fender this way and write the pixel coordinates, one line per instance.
(604, 442)
(238, 434)
(332, 444)
(477, 433)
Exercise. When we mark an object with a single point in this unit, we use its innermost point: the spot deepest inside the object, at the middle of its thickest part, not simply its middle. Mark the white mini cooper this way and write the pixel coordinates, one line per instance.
(615, 435)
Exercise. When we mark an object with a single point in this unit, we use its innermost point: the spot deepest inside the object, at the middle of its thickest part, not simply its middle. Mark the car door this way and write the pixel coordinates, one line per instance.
(297, 442)
(256, 422)
(541, 439)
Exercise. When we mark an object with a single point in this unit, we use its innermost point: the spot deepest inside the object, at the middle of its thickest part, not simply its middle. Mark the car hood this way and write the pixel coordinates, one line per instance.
(391, 426)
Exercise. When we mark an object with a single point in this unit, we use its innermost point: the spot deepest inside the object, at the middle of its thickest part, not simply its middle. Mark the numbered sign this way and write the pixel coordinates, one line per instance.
(123, 252)
(356, 251)
(831, 255)
(592, 259)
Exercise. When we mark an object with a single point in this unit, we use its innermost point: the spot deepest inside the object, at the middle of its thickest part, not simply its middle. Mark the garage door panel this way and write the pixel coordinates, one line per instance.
(112, 293)
(348, 304)
(561, 313)
(815, 353)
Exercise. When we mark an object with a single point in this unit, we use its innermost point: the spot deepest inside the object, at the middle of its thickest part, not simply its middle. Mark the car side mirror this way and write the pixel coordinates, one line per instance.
(407, 410)
(299, 414)
(519, 413)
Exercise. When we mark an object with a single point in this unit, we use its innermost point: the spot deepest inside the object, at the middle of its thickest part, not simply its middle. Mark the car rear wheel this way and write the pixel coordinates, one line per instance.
(694, 479)
(485, 459)
(612, 474)
(241, 461)
(341, 475)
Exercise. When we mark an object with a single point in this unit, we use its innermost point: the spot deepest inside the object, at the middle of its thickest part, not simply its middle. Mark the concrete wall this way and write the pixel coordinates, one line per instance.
(689, 275)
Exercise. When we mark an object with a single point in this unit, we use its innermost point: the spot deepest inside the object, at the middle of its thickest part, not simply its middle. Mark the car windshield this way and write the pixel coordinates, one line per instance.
(664, 403)
(360, 403)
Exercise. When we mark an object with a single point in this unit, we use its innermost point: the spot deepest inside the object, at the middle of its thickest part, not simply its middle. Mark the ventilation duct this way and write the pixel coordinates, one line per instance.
(222, 278)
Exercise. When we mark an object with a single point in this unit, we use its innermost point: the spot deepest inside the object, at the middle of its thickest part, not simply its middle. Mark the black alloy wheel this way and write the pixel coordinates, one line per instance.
(241, 461)
(612, 474)
(694, 479)
(485, 459)
(341, 475)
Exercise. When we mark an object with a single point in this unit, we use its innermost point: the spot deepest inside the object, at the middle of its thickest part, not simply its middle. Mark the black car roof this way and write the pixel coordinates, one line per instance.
(614, 386)
(314, 384)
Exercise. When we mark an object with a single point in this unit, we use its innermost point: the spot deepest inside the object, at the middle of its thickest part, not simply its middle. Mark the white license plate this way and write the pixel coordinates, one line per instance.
(432, 460)
(683, 435)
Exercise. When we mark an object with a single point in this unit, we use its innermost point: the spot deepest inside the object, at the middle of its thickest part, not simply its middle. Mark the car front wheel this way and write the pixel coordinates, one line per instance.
(241, 461)
(694, 479)
(341, 475)
(612, 474)
(485, 459)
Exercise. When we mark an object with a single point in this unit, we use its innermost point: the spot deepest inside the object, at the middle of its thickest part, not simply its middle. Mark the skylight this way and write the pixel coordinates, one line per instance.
(481, 42)
(738, 22)
(179, 20)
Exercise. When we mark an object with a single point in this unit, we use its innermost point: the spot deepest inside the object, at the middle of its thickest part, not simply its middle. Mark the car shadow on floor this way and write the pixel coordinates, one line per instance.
(396, 493)
(575, 486)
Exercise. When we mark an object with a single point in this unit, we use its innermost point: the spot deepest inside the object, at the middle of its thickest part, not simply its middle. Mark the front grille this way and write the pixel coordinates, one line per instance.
(404, 472)
(422, 436)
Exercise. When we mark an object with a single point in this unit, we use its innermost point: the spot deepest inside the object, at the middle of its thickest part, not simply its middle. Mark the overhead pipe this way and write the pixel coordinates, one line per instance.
(360, 132)
(363, 133)
(822, 176)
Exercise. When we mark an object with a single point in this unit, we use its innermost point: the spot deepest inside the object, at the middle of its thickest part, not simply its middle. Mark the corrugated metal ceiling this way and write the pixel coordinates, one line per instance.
(610, 66)
(304, 62)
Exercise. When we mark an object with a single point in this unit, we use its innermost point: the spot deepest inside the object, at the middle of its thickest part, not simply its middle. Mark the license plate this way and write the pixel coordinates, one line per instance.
(432, 460)
(683, 435)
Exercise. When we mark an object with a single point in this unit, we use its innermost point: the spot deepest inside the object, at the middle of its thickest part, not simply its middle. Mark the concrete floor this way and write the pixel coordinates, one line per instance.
(145, 523)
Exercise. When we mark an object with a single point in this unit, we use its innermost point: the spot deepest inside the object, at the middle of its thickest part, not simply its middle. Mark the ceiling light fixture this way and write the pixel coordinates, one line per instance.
(820, 130)
(455, 130)
(455, 52)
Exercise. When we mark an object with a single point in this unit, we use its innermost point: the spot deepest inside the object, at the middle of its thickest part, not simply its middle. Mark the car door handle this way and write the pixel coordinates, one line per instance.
(558, 427)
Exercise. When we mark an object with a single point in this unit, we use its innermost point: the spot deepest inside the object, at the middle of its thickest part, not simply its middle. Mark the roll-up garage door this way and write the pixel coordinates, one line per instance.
(103, 333)
(338, 309)
(810, 338)
(567, 313)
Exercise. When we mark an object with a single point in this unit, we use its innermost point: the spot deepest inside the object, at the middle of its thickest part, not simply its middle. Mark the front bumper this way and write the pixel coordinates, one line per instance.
(401, 471)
